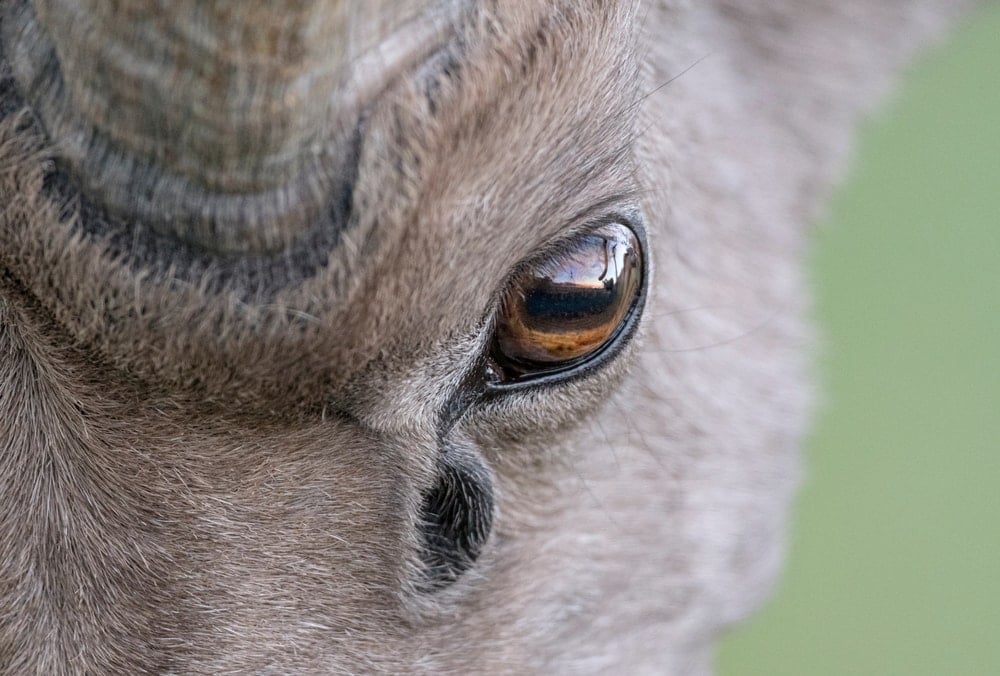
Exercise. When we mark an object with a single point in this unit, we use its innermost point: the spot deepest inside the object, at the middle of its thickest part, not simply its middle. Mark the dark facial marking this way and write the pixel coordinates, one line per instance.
(456, 518)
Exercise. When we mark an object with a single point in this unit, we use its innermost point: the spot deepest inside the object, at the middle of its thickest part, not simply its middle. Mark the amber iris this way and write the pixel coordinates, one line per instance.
(565, 309)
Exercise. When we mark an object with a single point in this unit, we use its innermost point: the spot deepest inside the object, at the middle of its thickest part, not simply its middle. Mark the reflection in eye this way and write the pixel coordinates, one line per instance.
(563, 311)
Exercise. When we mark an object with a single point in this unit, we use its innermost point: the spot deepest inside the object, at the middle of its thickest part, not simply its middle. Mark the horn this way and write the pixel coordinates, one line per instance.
(209, 114)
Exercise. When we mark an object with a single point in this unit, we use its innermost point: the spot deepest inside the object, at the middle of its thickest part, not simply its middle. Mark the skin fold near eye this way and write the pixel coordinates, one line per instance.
(566, 309)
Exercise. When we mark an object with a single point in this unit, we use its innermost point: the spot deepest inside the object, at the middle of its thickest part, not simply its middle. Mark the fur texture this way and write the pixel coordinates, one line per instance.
(207, 470)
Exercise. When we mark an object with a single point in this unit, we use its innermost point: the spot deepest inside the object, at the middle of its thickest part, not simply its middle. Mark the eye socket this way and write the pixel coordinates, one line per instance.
(563, 311)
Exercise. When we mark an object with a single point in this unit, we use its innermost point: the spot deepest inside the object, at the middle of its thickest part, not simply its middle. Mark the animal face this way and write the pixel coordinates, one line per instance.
(459, 337)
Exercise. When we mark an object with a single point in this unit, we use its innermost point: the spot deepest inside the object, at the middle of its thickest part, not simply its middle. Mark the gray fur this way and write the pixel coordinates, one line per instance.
(198, 476)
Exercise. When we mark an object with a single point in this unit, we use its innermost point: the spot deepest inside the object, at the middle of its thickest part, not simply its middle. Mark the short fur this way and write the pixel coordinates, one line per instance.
(210, 473)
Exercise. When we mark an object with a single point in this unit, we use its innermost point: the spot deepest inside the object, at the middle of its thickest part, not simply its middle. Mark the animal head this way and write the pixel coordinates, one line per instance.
(412, 337)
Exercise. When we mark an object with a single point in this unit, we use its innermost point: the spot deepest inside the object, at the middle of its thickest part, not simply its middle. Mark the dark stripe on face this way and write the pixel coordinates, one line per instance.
(456, 518)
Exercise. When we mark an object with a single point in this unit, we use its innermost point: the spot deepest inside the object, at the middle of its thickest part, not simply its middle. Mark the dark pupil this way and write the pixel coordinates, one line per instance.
(554, 305)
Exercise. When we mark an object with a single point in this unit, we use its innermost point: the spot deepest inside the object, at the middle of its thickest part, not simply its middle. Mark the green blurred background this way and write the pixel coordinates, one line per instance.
(894, 565)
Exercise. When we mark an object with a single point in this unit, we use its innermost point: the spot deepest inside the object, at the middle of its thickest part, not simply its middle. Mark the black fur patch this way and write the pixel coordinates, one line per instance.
(456, 519)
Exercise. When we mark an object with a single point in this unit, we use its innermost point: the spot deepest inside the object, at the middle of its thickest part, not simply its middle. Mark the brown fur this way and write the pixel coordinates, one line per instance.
(203, 475)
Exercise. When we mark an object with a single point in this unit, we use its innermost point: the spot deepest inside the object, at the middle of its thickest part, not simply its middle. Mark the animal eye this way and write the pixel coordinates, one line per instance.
(564, 311)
